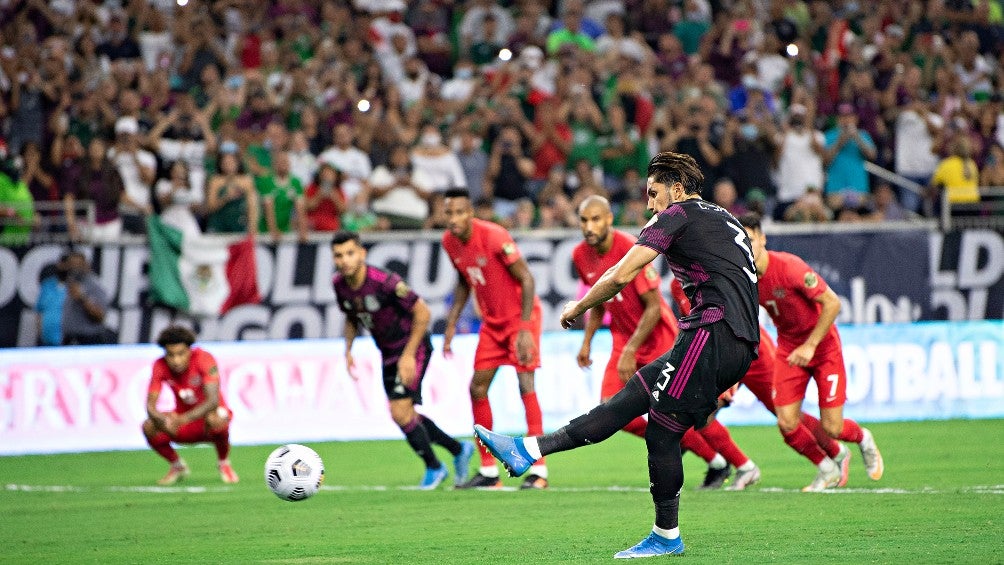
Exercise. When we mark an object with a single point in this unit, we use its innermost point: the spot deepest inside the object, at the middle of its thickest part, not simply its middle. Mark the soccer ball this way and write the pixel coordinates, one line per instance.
(294, 472)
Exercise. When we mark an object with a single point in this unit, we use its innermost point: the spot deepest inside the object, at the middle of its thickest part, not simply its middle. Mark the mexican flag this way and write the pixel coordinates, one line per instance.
(200, 275)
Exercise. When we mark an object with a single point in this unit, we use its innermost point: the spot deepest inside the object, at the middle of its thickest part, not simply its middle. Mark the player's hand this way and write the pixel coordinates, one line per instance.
(525, 348)
(171, 424)
(725, 398)
(583, 356)
(451, 330)
(350, 364)
(406, 369)
(569, 313)
(627, 365)
(802, 354)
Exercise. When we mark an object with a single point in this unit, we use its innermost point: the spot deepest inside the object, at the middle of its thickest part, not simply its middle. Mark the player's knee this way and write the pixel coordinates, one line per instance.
(833, 429)
(787, 424)
(478, 390)
(149, 430)
(218, 420)
(402, 414)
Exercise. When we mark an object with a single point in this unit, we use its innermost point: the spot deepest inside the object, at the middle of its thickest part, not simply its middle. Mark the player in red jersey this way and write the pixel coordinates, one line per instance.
(643, 327)
(759, 379)
(804, 309)
(200, 412)
(490, 266)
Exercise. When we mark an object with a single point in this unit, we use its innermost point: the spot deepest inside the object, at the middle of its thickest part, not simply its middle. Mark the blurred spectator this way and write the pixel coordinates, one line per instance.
(184, 133)
(324, 200)
(847, 148)
(887, 208)
(993, 172)
(485, 51)
(800, 158)
(957, 175)
(138, 169)
(436, 162)
(571, 31)
(473, 161)
(302, 161)
(430, 20)
(693, 135)
(40, 182)
(472, 30)
(586, 122)
(51, 298)
(621, 148)
(694, 24)
(119, 43)
(354, 165)
(400, 191)
(749, 146)
(92, 177)
(17, 210)
(809, 208)
(724, 194)
(281, 197)
(524, 217)
(86, 305)
(916, 128)
(180, 199)
(634, 212)
(509, 167)
(551, 142)
(231, 198)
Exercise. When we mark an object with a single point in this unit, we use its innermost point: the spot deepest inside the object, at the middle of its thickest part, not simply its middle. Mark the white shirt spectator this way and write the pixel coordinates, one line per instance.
(400, 201)
(192, 152)
(443, 172)
(153, 45)
(799, 167)
(353, 162)
(913, 154)
(178, 213)
(302, 165)
(128, 166)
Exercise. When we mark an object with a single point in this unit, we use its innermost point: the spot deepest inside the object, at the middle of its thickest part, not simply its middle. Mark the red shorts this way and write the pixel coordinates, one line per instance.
(497, 346)
(196, 430)
(612, 383)
(827, 369)
(760, 376)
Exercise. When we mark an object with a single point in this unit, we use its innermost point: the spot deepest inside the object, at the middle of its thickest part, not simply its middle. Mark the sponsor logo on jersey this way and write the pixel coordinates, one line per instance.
(401, 289)
(508, 248)
(650, 273)
(371, 303)
(811, 280)
(779, 293)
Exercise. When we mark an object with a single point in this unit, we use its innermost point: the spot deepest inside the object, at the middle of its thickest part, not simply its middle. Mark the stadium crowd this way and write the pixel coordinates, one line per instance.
(302, 115)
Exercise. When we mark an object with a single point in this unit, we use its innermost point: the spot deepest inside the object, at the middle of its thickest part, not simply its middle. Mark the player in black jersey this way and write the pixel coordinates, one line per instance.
(710, 253)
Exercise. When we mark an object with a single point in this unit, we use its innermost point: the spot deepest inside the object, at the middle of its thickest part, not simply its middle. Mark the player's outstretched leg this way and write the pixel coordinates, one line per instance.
(510, 451)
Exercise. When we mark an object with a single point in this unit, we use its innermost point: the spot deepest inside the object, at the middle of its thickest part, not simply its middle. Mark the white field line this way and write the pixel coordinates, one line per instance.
(10, 487)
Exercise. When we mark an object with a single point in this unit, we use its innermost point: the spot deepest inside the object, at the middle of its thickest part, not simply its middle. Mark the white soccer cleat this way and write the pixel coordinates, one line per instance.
(745, 478)
(843, 461)
(871, 456)
(824, 480)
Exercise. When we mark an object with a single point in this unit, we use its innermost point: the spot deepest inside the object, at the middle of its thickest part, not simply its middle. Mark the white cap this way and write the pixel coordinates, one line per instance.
(127, 124)
(531, 56)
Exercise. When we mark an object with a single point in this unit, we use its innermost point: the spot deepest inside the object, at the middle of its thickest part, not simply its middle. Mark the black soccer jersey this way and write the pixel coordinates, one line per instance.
(709, 251)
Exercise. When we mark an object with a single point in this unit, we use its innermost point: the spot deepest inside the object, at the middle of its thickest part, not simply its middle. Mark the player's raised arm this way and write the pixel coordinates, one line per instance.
(610, 283)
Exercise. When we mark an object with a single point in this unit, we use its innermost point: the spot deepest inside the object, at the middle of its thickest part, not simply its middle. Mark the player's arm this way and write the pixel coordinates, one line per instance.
(610, 283)
(524, 339)
(350, 332)
(628, 364)
(676, 289)
(593, 323)
(419, 325)
(212, 401)
(460, 296)
(804, 353)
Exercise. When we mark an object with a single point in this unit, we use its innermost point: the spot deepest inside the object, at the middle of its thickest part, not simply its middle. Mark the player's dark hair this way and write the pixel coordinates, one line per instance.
(751, 220)
(175, 334)
(457, 193)
(345, 236)
(668, 168)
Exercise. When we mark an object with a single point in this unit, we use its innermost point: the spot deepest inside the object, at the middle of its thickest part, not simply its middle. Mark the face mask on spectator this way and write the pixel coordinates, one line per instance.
(464, 73)
(430, 139)
(749, 131)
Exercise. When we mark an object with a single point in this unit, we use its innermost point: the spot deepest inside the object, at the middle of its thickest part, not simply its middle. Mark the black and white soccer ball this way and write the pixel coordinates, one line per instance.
(294, 472)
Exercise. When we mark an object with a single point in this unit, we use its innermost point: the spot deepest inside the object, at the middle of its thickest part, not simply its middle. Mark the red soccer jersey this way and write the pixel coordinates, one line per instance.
(484, 262)
(626, 307)
(188, 387)
(788, 291)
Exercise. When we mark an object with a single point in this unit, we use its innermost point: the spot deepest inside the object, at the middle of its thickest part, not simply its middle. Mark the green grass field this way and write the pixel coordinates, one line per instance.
(941, 501)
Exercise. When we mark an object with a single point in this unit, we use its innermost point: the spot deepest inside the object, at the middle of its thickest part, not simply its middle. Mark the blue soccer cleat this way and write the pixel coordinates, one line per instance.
(652, 546)
(507, 449)
(462, 462)
(433, 477)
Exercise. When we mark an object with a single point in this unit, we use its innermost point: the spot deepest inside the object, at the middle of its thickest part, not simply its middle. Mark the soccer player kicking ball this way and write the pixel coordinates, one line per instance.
(804, 308)
(643, 327)
(398, 320)
(200, 412)
(490, 266)
(710, 253)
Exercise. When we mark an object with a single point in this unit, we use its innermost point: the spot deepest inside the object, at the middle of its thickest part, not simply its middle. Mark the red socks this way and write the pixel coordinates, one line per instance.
(720, 440)
(852, 432)
(637, 427)
(829, 445)
(483, 416)
(802, 441)
(161, 443)
(534, 418)
(694, 442)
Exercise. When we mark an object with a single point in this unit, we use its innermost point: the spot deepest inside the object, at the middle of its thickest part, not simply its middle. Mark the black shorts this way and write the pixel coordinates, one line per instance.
(703, 363)
(392, 382)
